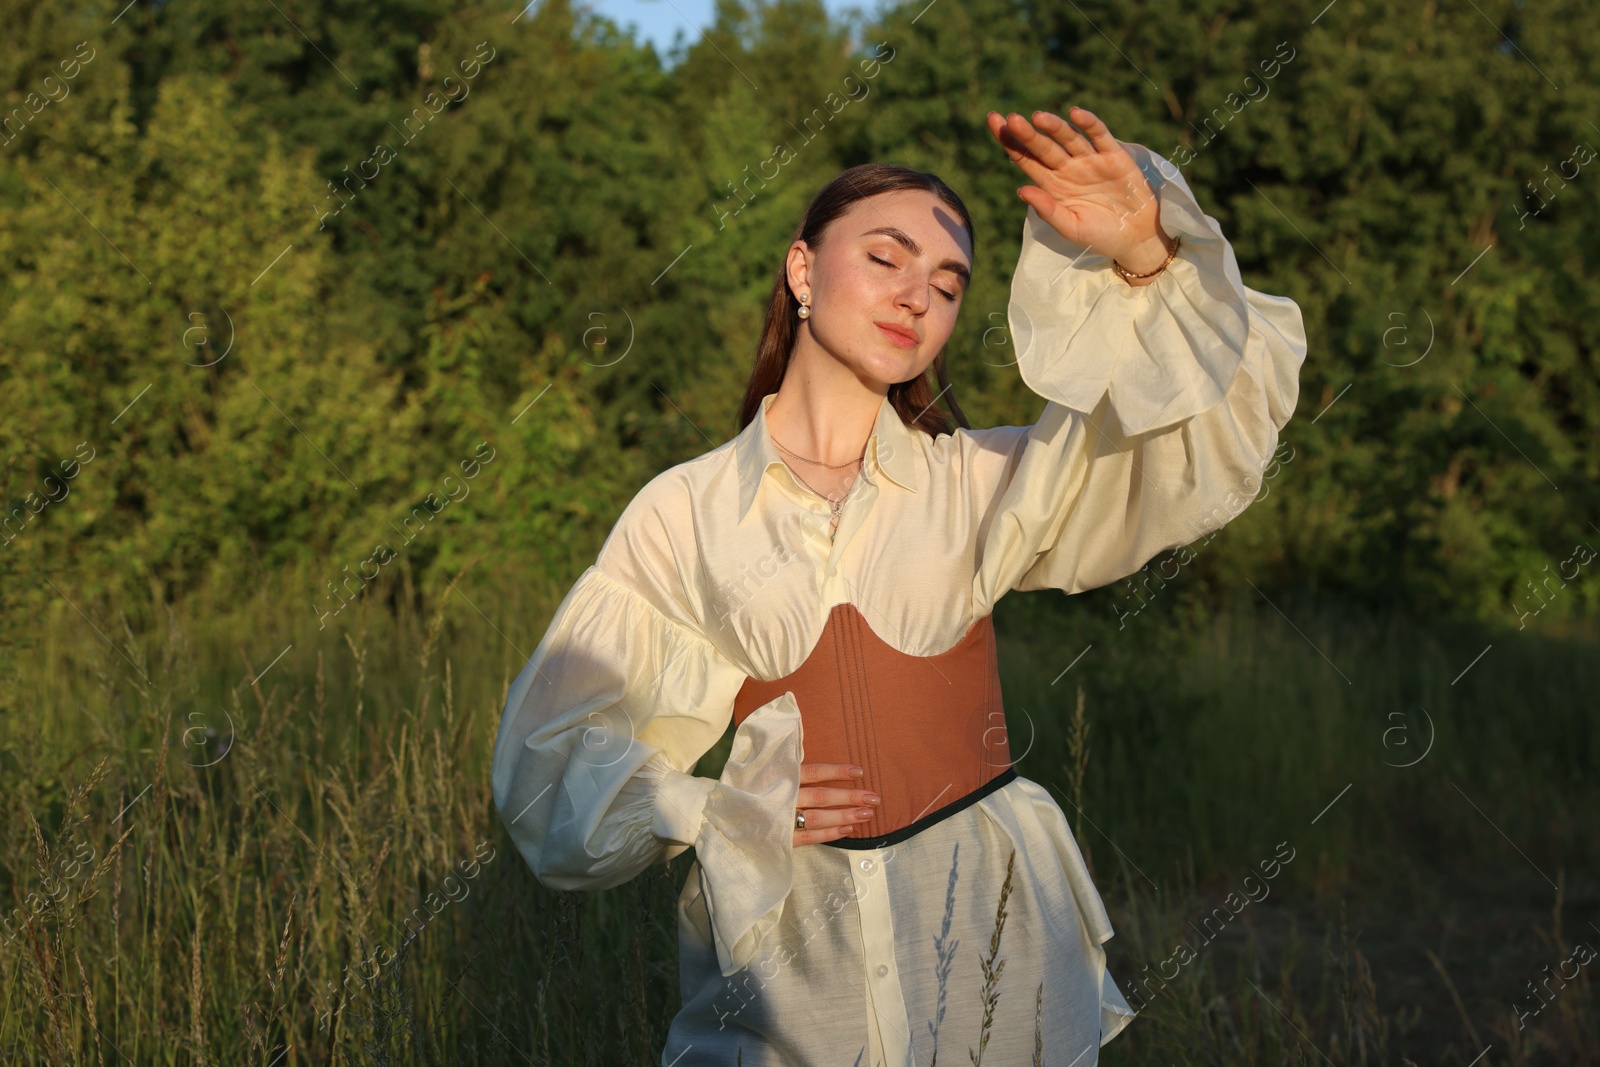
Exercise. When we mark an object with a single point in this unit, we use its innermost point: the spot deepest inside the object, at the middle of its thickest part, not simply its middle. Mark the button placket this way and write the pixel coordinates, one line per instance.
(886, 999)
(856, 508)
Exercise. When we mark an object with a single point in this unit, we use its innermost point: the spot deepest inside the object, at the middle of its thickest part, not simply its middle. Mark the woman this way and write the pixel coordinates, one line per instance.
(824, 581)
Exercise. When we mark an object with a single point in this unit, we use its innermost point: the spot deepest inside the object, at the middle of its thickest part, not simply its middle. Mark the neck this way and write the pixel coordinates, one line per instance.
(823, 410)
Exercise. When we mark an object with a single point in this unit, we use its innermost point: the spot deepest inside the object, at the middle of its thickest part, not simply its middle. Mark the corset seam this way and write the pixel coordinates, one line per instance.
(992, 656)
(980, 750)
(851, 710)
(858, 667)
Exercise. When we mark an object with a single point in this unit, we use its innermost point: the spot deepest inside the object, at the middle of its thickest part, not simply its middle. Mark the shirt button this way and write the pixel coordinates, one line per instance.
(883, 969)
(867, 865)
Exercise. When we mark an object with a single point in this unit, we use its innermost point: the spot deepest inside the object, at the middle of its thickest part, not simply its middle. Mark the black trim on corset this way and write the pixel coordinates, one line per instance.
(912, 829)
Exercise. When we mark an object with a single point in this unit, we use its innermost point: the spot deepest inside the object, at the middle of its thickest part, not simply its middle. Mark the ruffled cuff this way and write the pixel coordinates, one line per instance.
(680, 801)
(745, 846)
(1164, 351)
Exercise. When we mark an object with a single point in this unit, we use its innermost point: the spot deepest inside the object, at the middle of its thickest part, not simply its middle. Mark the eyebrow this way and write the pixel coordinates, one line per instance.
(954, 266)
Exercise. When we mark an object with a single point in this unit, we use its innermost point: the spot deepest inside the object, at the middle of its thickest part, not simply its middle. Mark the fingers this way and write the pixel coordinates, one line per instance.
(1064, 133)
(828, 824)
(1059, 138)
(1009, 141)
(831, 811)
(816, 837)
(820, 818)
(1023, 155)
(1025, 144)
(833, 797)
(1043, 204)
(827, 772)
(1099, 135)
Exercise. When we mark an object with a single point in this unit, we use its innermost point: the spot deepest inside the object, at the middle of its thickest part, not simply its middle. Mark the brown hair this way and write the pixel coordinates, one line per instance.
(914, 400)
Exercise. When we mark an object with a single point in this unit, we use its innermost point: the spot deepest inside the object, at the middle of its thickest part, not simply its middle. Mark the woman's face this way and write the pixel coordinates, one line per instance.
(897, 260)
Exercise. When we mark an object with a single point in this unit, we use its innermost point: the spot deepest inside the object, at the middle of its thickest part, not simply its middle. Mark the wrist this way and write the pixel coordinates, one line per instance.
(1147, 255)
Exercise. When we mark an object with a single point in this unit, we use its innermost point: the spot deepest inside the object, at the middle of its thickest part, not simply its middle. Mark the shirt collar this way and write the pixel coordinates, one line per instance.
(890, 450)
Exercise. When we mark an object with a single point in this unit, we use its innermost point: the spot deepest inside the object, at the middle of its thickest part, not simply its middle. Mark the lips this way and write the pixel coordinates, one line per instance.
(899, 334)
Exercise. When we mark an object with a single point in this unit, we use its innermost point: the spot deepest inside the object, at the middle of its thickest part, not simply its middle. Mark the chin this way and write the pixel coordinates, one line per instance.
(888, 371)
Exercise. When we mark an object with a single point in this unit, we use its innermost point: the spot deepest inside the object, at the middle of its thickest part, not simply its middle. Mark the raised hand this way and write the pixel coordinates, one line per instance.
(1087, 186)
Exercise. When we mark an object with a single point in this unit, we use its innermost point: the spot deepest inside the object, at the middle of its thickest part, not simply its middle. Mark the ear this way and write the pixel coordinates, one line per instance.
(799, 269)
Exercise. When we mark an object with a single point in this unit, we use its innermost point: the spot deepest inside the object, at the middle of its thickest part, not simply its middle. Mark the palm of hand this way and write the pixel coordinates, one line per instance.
(1088, 188)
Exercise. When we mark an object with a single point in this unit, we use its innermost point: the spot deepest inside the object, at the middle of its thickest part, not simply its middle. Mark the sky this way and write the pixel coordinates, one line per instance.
(657, 21)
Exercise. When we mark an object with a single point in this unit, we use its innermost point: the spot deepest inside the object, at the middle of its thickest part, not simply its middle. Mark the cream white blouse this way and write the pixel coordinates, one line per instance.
(1163, 407)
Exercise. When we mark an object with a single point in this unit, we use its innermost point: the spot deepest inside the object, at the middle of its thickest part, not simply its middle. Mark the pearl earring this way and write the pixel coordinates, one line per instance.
(805, 312)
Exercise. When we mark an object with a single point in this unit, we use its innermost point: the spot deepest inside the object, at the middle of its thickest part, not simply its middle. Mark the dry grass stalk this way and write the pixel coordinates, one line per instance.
(993, 967)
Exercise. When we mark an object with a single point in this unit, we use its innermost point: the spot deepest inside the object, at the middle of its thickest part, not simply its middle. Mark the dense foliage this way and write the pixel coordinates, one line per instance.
(285, 273)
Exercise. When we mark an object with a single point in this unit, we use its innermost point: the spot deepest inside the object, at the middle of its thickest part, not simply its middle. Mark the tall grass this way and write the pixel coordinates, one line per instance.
(233, 838)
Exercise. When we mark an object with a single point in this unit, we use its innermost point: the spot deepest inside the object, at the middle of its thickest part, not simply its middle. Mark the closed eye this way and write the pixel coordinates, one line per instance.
(948, 296)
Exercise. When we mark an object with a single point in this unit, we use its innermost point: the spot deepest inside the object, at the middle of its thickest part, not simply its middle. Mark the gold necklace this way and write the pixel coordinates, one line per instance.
(835, 507)
(818, 462)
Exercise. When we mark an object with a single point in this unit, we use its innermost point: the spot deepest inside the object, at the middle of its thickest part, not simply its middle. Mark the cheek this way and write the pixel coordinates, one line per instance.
(854, 298)
(941, 329)
(860, 286)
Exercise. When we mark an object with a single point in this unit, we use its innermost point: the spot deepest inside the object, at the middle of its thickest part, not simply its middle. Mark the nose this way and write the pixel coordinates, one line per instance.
(916, 295)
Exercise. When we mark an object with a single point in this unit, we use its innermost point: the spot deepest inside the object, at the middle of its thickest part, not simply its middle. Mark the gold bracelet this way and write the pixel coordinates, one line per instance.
(1125, 275)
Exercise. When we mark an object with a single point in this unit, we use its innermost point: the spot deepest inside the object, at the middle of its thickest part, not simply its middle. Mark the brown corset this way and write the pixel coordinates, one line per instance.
(930, 731)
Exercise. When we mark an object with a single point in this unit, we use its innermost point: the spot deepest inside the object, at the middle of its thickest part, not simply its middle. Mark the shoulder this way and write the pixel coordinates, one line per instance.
(661, 513)
(983, 453)
(974, 444)
(653, 547)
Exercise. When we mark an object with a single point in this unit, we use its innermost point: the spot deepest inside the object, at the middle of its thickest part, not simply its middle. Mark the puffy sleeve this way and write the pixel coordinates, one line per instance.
(592, 770)
(1163, 404)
